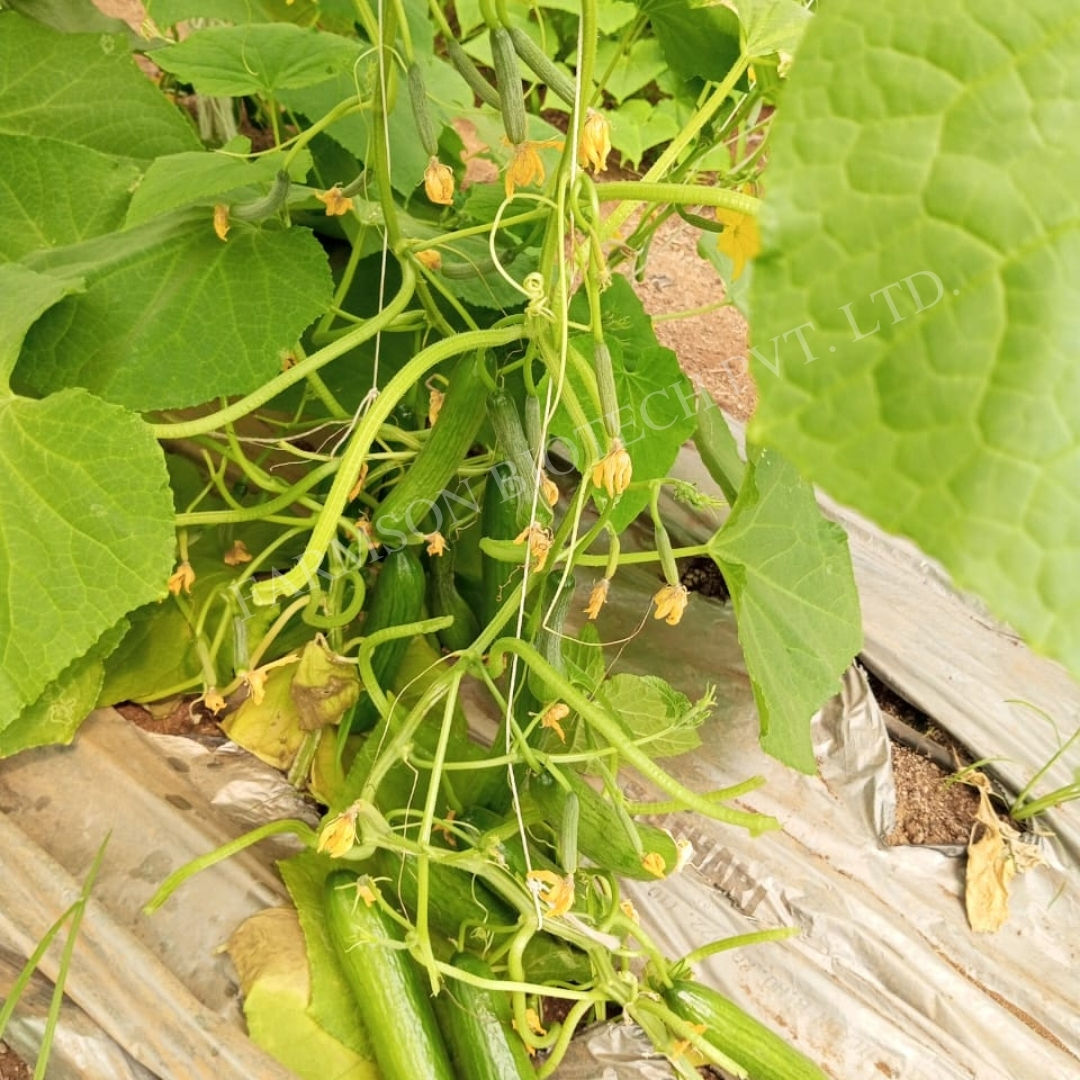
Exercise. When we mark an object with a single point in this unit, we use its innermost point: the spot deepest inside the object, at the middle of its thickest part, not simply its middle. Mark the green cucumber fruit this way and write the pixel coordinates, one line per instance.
(476, 1024)
(602, 832)
(389, 989)
(396, 599)
(748, 1043)
(406, 511)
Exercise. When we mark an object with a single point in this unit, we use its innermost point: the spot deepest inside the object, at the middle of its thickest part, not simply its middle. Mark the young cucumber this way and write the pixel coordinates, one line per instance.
(444, 599)
(476, 1025)
(404, 514)
(508, 79)
(763, 1054)
(398, 598)
(602, 832)
(389, 989)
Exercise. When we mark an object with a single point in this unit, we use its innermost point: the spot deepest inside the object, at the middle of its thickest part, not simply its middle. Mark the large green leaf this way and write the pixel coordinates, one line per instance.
(203, 178)
(656, 400)
(922, 241)
(24, 295)
(85, 533)
(263, 58)
(56, 715)
(171, 316)
(331, 999)
(86, 89)
(42, 205)
(795, 602)
(699, 41)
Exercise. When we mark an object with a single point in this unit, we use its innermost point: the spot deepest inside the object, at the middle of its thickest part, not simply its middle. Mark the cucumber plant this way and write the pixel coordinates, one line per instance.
(292, 357)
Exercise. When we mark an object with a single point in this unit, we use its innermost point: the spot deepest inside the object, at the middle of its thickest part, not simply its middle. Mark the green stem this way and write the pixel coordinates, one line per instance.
(177, 878)
(635, 191)
(629, 558)
(737, 942)
(266, 592)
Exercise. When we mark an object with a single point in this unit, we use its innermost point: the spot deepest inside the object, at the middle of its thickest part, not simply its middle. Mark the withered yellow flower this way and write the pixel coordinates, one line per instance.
(436, 543)
(430, 258)
(539, 540)
(183, 577)
(363, 523)
(614, 470)
(435, 404)
(557, 892)
(629, 910)
(443, 827)
(654, 862)
(525, 167)
(598, 597)
(213, 700)
(595, 142)
(335, 202)
(553, 716)
(361, 476)
(439, 182)
(221, 221)
(549, 490)
(740, 239)
(238, 554)
(671, 601)
(338, 835)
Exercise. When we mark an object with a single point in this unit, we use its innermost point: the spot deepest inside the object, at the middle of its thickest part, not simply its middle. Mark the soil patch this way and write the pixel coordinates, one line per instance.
(929, 810)
(12, 1067)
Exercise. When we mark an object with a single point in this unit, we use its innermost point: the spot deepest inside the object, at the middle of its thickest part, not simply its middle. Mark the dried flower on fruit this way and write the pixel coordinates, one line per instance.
(238, 554)
(553, 716)
(183, 577)
(335, 201)
(598, 597)
(439, 182)
(338, 835)
(557, 892)
(613, 471)
(671, 601)
(595, 142)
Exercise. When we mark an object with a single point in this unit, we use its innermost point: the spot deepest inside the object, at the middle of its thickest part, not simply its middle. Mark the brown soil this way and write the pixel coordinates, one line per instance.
(712, 347)
(928, 810)
(12, 1067)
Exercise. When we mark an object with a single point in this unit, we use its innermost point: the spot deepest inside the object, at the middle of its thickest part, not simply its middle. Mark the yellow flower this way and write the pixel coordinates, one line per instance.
(256, 677)
(361, 476)
(436, 543)
(183, 577)
(439, 182)
(237, 554)
(613, 471)
(629, 910)
(221, 221)
(539, 540)
(653, 861)
(430, 258)
(598, 597)
(338, 835)
(366, 893)
(525, 167)
(740, 239)
(533, 1020)
(549, 490)
(670, 603)
(557, 892)
(553, 716)
(595, 142)
(335, 202)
